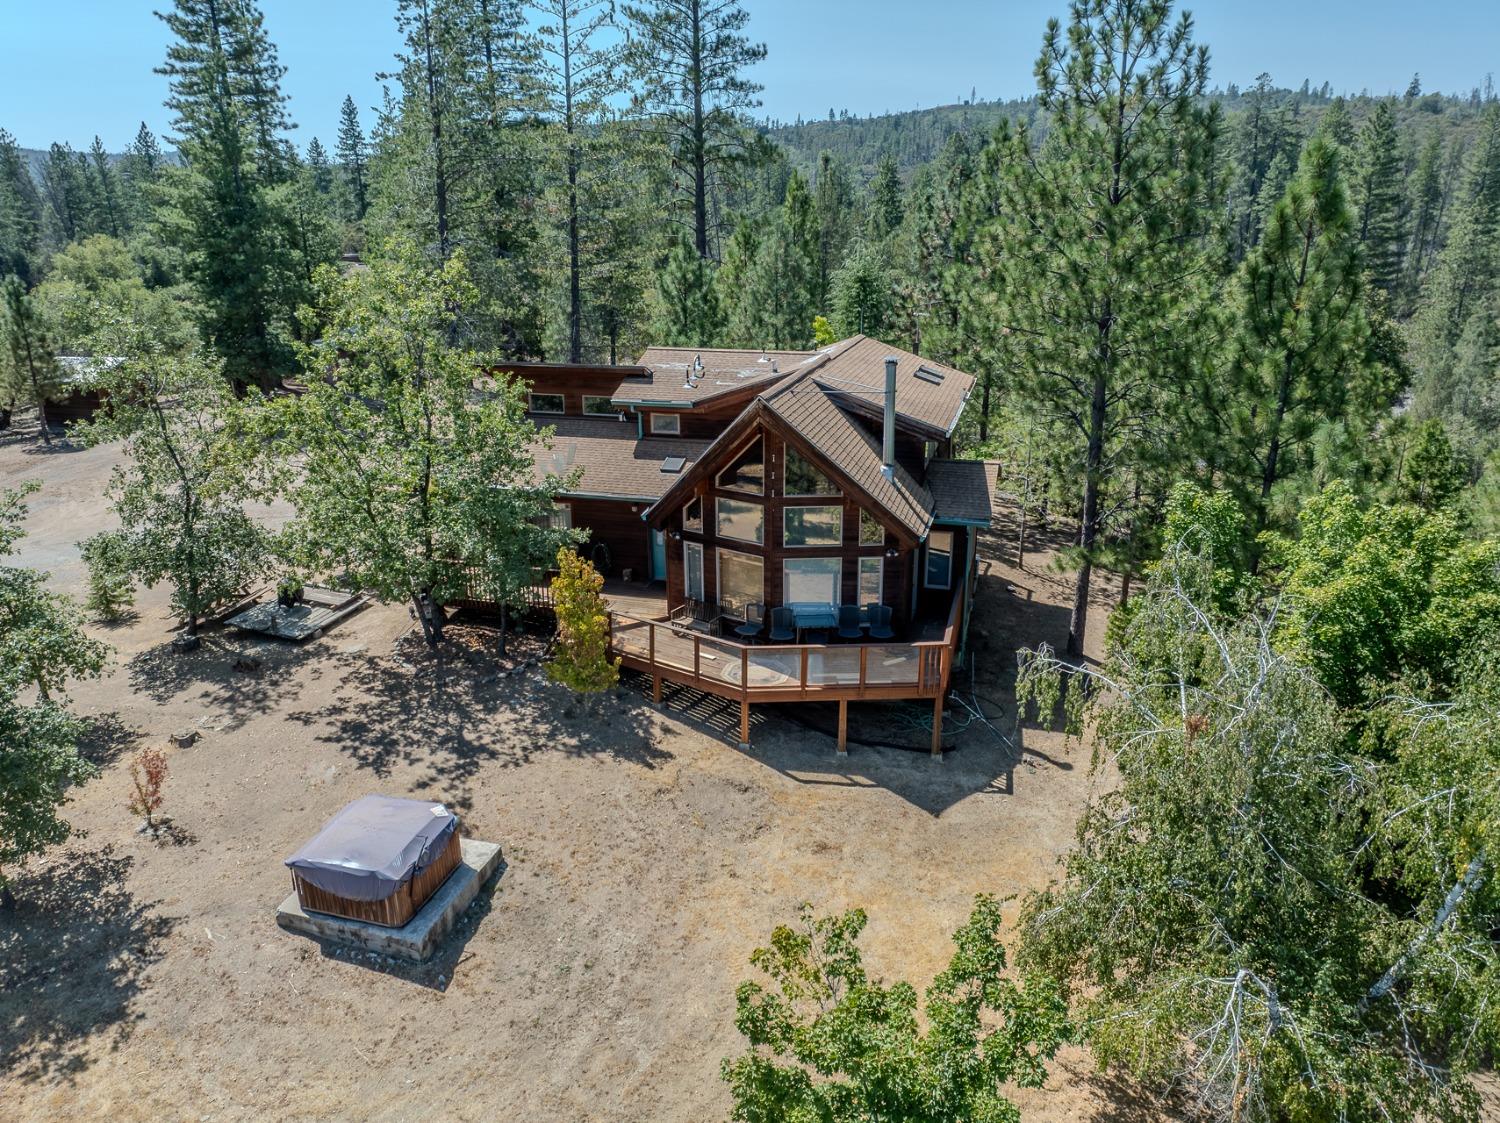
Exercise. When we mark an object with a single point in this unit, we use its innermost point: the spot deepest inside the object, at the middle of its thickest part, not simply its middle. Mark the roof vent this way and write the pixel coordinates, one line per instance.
(774, 369)
(927, 374)
(764, 358)
(673, 464)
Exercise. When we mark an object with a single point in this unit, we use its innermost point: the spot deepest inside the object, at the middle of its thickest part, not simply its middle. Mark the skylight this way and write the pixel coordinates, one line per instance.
(927, 374)
(673, 464)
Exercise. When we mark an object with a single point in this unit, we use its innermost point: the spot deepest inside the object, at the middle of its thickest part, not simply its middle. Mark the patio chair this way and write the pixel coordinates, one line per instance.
(849, 622)
(783, 624)
(755, 614)
(880, 622)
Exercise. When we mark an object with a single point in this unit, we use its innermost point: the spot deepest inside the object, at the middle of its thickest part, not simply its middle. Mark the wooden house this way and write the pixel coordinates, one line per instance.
(777, 488)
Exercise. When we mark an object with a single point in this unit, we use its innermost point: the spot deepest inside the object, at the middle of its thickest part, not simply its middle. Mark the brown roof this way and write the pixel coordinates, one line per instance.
(960, 490)
(615, 464)
(724, 372)
(929, 395)
(847, 446)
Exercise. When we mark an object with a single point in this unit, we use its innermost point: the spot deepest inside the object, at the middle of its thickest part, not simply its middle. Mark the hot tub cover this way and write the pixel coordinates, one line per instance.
(367, 850)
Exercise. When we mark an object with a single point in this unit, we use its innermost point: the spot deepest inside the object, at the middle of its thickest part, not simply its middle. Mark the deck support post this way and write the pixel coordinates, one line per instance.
(744, 723)
(656, 689)
(937, 727)
(843, 727)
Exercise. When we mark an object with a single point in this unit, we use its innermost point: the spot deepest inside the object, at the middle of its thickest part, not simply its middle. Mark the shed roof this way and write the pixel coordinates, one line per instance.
(961, 491)
(616, 465)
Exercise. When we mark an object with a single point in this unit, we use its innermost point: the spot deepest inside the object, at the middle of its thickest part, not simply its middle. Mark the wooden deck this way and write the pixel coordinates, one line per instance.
(321, 609)
(843, 673)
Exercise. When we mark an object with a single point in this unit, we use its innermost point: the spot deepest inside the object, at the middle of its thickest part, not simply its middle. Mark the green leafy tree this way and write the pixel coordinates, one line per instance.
(408, 482)
(39, 763)
(830, 1044)
(1383, 595)
(690, 55)
(1094, 270)
(186, 475)
(30, 372)
(98, 281)
(581, 661)
(1217, 925)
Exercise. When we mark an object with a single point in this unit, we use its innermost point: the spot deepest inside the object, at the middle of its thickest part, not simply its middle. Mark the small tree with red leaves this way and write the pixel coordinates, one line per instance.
(148, 772)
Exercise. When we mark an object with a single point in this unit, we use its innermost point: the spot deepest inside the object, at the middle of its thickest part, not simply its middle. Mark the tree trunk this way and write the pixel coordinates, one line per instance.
(984, 411)
(7, 899)
(1088, 531)
(504, 619)
(700, 142)
(1021, 539)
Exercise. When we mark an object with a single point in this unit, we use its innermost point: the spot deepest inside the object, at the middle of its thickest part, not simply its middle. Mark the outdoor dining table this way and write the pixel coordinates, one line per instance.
(813, 615)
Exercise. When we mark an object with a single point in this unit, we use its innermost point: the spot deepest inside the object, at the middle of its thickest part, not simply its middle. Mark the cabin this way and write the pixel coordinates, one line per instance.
(800, 512)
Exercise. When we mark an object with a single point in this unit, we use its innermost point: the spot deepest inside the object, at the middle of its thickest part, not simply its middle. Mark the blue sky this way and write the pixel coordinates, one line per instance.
(79, 67)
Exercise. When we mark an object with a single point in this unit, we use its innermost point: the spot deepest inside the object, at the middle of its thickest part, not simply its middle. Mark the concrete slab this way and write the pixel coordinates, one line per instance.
(420, 936)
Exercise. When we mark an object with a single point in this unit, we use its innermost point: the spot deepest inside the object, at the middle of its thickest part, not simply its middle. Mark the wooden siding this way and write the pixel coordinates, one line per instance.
(619, 526)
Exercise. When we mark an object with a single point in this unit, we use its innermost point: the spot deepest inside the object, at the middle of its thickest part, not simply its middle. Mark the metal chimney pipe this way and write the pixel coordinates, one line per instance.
(888, 446)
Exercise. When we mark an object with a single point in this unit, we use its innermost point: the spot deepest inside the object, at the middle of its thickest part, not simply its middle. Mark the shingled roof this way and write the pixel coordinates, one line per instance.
(930, 397)
(961, 491)
(615, 463)
(668, 369)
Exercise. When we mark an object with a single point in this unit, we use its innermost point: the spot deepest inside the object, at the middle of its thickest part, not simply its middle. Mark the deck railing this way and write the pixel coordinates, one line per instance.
(787, 672)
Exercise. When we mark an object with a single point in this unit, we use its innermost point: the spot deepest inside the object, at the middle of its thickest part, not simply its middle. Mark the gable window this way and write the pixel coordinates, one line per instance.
(802, 478)
(939, 571)
(595, 404)
(811, 581)
(546, 403)
(871, 533)
(812, 526)
(748, 473)
(692, 515)
(741, 581)
(734, 518)
(871, 574)
(666, 424)
(692, 570)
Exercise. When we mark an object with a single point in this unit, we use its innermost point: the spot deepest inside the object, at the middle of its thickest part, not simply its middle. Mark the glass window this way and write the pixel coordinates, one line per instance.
(804, 479)
(668, 423)
(692, 515)
(741, 580)
(594, 404)
(812, 526)
(939, 559)
(692, 570)
(811, 580)
(737, 519)
(546, 403)
(871, 533)
(871, 572)
(748, 473)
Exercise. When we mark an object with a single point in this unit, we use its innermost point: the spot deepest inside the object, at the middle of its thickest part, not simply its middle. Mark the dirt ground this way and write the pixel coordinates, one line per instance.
(644, 858)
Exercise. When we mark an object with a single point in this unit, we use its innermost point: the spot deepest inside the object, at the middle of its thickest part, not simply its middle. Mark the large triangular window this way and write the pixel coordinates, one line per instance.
(748, 473)
(803, 478)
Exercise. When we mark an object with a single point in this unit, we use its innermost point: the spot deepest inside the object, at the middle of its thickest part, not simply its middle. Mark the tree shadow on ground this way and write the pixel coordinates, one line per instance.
(454, 713)
(71, 959)
(106, 738)
(266, 679)
(439, 972)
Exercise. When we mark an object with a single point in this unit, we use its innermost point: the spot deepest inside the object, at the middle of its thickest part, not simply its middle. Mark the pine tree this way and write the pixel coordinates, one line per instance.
(690, 55)
(20, 212)
(65, 189)
(1335, 124)
(222, 92)
(861, 301)
(1425, 207)
(580, 76)
(141, 168)
(884, 207)
(1378, 198)
(353, 157)
(109, 212)
(319, 167)
(833, 196)
(687, 304)
(1094, 267)
(1301, 351)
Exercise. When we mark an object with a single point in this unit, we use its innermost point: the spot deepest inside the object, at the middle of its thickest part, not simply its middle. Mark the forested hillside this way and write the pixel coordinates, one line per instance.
(1242, 343)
